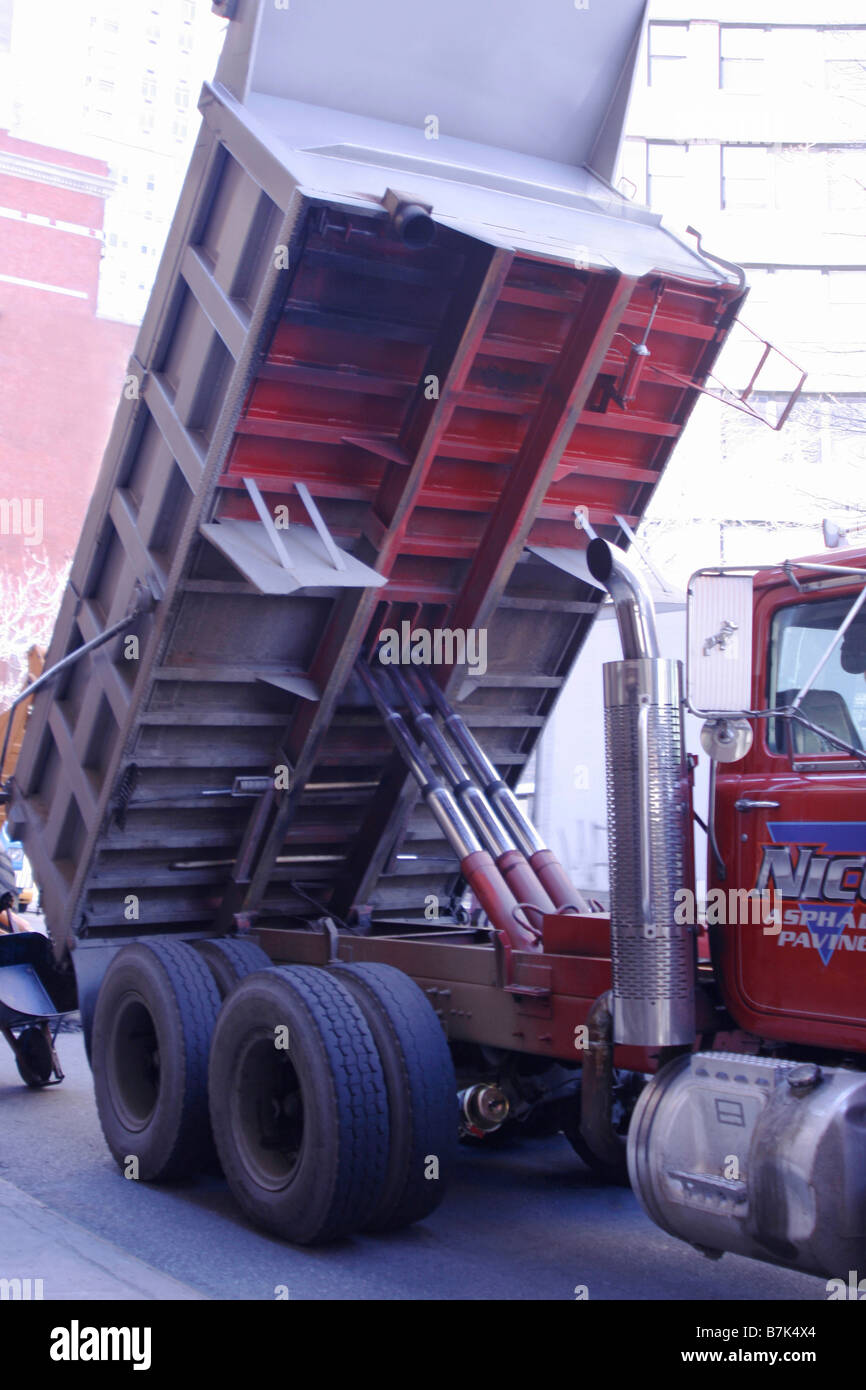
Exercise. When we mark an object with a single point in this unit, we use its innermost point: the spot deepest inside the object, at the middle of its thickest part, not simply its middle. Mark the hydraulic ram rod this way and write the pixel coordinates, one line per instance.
(511, 862)
(502, 798)
(476, 864)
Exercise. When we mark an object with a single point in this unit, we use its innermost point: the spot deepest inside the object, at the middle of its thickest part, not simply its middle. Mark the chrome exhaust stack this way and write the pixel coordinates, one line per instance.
(632, 600)
(649, 820)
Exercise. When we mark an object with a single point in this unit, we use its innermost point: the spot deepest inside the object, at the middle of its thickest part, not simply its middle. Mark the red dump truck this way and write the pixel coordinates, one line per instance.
(409, 376)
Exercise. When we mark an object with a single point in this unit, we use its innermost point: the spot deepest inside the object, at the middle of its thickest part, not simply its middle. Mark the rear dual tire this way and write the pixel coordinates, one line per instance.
(299, 1105)
(152, 1027)
(330, 1094)
(230, 959)
(351, 1125)
(422, 1092)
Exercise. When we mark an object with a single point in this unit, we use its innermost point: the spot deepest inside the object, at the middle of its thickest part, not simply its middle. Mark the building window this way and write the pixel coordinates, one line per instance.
(188, 11)
(760, 280)
(846, 297)
(148, 88)
(845, 62)
(747, 178)
(181, 98)
(152, 32)
(846, 180)
(845, 77)
(185, 41)
(667, 175)
(666, 53)
(147, 120)
(150, 183)
(742, 59)
(760, 315)
(179, 129)
(5, 25)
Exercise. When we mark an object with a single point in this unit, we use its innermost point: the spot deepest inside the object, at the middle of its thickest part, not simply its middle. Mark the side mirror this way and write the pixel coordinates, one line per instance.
(719, 643)
(726, 740)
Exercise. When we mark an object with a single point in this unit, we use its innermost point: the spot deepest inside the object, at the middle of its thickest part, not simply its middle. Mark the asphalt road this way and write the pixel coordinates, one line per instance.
(523, 1222)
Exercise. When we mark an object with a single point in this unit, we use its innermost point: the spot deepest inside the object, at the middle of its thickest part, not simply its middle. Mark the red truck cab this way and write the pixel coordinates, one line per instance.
(789, 819)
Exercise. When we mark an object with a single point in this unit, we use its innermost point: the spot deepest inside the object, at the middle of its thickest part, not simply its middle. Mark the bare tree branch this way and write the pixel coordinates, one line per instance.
(29, 602)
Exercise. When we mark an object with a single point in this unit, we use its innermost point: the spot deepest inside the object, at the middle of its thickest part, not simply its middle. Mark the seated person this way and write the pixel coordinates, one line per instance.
(11, 921)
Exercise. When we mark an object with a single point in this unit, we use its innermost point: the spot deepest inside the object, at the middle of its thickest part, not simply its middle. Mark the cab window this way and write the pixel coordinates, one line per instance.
(799, 636)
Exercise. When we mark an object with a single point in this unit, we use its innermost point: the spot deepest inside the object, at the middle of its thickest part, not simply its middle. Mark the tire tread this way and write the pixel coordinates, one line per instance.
(189, 991)
(429, 1090)
(359, 1092)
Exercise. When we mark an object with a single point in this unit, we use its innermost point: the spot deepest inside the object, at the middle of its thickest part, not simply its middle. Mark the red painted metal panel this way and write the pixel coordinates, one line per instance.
(527, 432)
(805, 983)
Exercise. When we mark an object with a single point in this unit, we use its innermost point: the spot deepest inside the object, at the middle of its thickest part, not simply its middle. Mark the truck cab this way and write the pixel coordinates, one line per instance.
(789, 817)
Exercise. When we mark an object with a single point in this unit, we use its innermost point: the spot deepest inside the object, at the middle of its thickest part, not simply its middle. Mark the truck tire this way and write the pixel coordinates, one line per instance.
(301, 1129)
(615, 1175)
(627, 1087)
(33, 1057)
(422, 1092)
(8, 886)
(230, 959)
(152, 1026)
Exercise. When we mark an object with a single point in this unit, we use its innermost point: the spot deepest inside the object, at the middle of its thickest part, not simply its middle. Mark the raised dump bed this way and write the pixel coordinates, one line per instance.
(415, 358)
(402, 359)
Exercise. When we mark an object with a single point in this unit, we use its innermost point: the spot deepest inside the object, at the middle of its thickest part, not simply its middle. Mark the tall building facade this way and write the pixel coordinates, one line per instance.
(61, 374)
(98, 118)
(119, 81)
(752, 128)
(748, 123)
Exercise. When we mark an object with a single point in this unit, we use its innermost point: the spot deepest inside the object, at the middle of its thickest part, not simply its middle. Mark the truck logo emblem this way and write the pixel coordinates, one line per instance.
(825, 884)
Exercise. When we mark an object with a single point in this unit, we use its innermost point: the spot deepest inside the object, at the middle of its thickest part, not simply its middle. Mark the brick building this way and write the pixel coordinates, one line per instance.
(61, 368)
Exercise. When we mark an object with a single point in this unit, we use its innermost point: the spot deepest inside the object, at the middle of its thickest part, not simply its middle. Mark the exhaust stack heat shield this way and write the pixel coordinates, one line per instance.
(651, 853)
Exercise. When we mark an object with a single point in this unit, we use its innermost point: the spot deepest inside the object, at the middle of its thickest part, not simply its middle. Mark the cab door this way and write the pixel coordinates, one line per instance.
(790, 820)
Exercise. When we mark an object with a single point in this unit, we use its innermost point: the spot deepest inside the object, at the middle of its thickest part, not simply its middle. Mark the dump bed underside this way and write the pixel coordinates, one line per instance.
(446, 408)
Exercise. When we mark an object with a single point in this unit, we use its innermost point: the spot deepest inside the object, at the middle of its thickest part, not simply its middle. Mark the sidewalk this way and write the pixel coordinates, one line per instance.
(38, 1243)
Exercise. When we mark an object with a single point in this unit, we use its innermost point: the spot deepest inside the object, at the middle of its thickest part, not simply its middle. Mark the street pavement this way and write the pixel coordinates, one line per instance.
(526, 1221)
